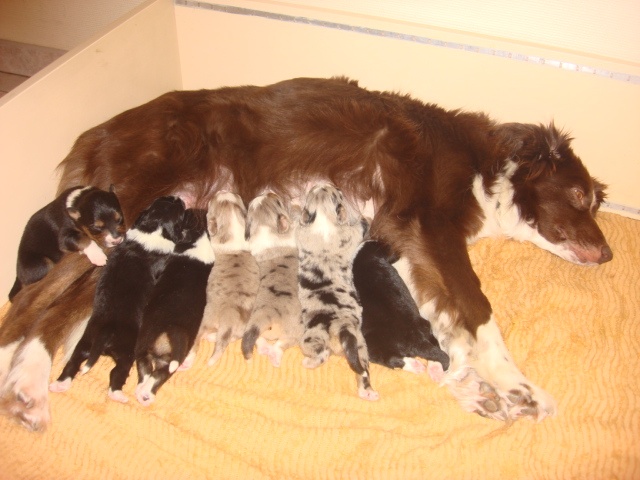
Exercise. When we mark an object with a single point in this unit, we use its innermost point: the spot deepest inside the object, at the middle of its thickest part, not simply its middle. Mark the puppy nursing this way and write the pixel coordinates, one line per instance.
(234, 280)
(332, 316)
(174, 312)
(122, 293)
(275, 323)
(81, 219)
(391, 323)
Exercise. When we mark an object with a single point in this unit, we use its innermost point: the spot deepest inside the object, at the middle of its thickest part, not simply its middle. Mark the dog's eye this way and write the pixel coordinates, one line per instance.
(95, 229)
(579, 194)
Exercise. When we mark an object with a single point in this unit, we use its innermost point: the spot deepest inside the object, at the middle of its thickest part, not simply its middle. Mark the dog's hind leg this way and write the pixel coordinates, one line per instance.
(355, 351)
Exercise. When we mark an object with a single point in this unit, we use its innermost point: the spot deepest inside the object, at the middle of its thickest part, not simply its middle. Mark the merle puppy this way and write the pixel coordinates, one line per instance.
(122, 293)
(392, 326)
(80, 219)
(174, 312)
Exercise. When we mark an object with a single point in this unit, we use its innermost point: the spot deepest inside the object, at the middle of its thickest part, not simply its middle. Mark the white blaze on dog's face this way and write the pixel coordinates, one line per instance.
(226, 222)
(269, 224)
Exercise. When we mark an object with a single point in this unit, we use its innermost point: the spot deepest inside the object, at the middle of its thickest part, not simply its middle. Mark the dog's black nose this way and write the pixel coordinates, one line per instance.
(606, 254)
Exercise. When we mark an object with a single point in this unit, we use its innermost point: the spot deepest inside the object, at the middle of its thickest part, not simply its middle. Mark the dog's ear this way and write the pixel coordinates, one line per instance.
(247, 228)
(112, 188)
(74, 213)
(283, 223)
(364, 223)
(307, 217)
(537, 148)
(212, 226)
(342, 214)
(599, 190)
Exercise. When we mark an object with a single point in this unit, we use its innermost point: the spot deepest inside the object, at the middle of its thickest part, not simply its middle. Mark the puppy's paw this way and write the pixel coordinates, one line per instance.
(413, 365)
(368, 394)
(60, 386)
(435, 370)
(117, 396)
(95, 254)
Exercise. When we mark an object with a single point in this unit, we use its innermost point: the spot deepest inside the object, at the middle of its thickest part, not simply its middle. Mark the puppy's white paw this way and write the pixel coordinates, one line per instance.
(413, 365)
(117, 396)
(95, 254)
(60, 386)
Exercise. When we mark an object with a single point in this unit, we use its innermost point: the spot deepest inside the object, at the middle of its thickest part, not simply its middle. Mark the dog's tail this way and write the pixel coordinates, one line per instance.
(97, 348)
(355, 350)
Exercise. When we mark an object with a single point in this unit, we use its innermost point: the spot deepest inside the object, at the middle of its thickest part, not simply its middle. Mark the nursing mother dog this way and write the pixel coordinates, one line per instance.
(437, 180)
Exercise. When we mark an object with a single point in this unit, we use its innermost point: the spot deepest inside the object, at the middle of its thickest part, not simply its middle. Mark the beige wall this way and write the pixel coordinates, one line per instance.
(602, 114)
(40, 119)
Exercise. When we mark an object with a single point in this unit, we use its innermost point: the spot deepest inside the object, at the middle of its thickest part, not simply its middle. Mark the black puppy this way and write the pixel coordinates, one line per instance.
(81, 219)
(122, 293)
(174, 312)
(391, 323)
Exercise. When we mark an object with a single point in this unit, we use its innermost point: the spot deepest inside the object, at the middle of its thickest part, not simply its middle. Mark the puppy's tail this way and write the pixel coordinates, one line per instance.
(258, 323)
(96, 350)
(357, 355)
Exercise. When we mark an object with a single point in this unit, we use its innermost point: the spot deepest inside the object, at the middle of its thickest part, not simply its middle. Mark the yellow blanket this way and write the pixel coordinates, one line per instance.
(575, 331)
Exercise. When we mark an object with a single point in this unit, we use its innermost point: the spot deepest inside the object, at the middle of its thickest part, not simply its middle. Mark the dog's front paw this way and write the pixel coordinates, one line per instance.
(413, 365)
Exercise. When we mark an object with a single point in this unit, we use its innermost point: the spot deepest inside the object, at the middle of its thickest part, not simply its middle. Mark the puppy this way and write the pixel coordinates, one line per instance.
(275, 323)
(391, 323)
(122, 293)
(174, 312)
(331, 313)
(81, 219)
(234, 280)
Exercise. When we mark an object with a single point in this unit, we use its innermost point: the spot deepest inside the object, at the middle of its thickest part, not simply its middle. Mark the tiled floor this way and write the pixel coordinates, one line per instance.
(19, 61)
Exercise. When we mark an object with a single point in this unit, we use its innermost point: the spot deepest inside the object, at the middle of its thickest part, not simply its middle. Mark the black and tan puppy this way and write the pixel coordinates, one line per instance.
(122, 293)
(81, 219)
(174, 312)
(391, 324)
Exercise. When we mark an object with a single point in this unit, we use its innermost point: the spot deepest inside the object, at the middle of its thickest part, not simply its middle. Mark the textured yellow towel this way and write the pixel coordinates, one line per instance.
(575, 331)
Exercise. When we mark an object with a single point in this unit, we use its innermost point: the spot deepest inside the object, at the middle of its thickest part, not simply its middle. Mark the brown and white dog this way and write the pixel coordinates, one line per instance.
(43, 317)
(437, 180)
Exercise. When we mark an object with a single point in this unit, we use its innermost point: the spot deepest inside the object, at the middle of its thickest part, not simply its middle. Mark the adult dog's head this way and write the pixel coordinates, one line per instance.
(555, 194)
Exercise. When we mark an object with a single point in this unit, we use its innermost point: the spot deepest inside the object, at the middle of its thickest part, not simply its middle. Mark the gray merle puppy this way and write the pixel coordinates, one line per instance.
(328, 237)
(275, 323)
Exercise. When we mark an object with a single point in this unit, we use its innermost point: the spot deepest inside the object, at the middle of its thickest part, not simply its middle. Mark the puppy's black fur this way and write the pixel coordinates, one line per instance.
(122, 293)
(174, 312)
(77, 217)
(391, 322)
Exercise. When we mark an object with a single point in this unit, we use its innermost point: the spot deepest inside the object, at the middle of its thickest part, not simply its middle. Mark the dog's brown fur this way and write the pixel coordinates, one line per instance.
(437, 179)
(45, 314)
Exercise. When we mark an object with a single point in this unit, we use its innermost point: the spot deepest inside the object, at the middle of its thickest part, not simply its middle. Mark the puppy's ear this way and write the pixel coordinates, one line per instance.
(112, 188)
(307, 217)
(247, 229)
(364, 223)
(74, 213)
(341, 212)
(283, 223)
(212, 226)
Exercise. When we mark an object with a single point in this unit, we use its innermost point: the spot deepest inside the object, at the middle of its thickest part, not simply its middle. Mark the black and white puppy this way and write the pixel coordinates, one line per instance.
(122, 292)
(81, 219)
(174, 312)
(391, 324)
